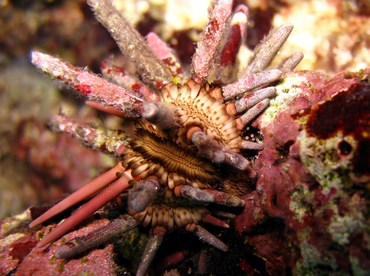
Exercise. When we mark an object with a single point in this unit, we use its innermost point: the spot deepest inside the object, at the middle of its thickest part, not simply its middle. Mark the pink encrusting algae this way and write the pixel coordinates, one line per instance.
(203, 145)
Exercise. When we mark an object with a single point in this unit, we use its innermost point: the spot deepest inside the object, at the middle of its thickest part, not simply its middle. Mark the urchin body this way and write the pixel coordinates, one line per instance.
(182, 149)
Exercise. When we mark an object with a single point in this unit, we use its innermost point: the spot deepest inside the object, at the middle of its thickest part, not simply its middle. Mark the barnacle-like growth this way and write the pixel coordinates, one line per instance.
(186, 150)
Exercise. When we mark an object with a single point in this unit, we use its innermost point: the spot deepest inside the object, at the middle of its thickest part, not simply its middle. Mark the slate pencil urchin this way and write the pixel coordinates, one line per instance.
(187, 150)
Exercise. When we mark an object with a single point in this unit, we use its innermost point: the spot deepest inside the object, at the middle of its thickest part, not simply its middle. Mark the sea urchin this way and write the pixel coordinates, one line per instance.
(182, 147)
